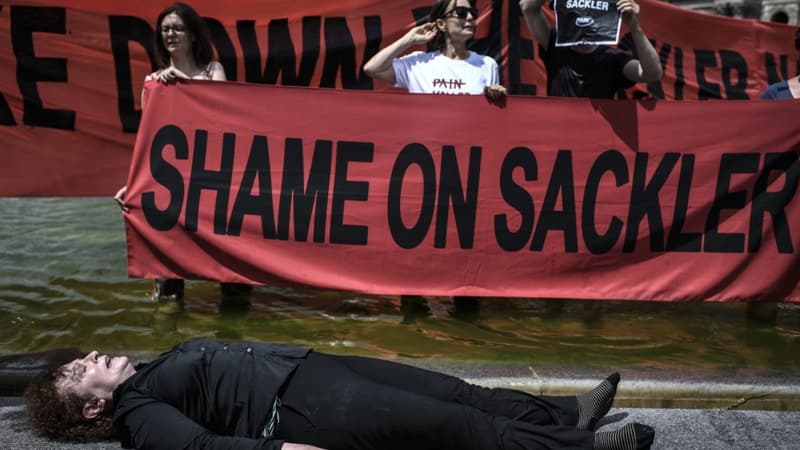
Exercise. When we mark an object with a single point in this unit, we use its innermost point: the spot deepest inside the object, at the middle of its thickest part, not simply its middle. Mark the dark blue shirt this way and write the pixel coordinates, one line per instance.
(777, 91)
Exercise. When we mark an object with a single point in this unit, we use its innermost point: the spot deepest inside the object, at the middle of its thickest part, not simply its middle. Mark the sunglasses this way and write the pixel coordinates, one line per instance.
(461, 12)
(178, 29)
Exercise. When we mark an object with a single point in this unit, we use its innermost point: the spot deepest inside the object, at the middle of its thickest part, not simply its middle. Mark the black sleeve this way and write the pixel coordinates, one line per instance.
(159, 426)
(546, 52)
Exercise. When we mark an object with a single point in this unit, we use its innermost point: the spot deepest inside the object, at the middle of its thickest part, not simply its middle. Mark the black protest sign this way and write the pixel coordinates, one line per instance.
(586, 22)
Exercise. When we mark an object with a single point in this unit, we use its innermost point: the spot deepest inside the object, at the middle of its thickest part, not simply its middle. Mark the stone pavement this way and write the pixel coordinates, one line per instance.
(689, 409)
(684, 429)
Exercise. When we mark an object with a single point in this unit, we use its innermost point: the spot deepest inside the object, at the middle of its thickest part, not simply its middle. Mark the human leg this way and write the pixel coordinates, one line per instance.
(329, 405)
(633, 436)
(414, 307)
(583, 411)
(168, 288)
(538, 410)
(595, 404)
(235, 298)
(466, 307)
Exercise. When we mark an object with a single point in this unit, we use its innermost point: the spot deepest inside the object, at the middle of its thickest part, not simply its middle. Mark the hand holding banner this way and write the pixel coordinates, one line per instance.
(347, 190)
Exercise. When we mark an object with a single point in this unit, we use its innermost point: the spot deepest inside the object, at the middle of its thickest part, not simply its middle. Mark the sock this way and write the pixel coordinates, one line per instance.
(594, 405)
(633, 436)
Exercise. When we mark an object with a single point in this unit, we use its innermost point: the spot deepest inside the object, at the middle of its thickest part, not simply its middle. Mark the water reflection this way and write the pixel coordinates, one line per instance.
(63, 284)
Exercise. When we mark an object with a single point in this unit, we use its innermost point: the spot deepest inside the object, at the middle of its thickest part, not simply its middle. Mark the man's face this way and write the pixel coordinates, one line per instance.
(95, 374)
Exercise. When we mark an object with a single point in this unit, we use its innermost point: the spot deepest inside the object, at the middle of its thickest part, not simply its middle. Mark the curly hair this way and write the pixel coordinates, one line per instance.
(59, 416)
(196, 27)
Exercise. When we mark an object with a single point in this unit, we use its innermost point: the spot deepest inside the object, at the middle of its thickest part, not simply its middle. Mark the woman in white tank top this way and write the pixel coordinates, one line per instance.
(182, 50)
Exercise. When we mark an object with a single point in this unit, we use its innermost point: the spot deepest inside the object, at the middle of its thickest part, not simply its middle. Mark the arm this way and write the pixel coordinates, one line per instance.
(537, 23)
(494, 91)
(380, 65)
(160, 426)
(648, 67)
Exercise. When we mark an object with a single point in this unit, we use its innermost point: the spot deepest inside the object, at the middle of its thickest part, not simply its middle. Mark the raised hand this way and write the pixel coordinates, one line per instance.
(421, 34)
(630, 12)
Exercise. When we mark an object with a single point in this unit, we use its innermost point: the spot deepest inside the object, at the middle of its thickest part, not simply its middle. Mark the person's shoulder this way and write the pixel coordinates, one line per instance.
(418, 56)
(773, 90)
(484, 59)
(769, 92)
(215, 71)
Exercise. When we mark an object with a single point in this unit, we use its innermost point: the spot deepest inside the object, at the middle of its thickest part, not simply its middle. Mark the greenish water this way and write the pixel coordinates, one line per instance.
(63, 283)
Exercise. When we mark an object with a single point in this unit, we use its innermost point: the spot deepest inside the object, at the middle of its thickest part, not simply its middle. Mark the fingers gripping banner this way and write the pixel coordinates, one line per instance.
(446, 195)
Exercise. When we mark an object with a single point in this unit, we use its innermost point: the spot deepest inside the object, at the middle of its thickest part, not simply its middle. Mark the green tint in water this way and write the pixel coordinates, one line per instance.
(63, 283)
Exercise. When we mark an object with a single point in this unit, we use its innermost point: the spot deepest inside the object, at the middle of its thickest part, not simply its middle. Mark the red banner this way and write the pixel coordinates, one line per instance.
(71, 71)
(440, 195)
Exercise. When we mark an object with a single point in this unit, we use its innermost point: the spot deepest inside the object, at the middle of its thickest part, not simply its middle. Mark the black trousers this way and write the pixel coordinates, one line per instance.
(356, 403)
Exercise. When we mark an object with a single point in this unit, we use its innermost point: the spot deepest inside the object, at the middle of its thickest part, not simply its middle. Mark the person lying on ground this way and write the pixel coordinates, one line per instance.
(205, 394)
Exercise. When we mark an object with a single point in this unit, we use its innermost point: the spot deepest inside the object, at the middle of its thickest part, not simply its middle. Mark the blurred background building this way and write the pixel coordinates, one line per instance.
(782, 11)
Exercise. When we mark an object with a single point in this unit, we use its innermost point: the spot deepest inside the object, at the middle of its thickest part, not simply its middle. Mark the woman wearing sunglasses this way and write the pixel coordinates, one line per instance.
(447, 67)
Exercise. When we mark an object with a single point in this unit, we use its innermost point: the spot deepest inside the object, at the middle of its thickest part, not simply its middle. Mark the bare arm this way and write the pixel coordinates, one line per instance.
(380, 65)
(537, 23)
(648, 67)
(495, 91)
(171, 73)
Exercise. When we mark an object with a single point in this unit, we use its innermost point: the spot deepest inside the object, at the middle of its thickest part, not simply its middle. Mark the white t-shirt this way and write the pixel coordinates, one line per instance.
(434, 73)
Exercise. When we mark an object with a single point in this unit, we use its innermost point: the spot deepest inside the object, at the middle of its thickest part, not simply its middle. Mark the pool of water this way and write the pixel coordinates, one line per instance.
(63, 283)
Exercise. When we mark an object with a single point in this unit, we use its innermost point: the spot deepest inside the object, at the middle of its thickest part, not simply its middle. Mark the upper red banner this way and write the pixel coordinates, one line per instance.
(450, 195)
(71, 71)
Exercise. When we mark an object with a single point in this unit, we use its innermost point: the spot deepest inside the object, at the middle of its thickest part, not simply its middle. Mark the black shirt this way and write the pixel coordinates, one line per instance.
(592, 75)
(204, 394)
